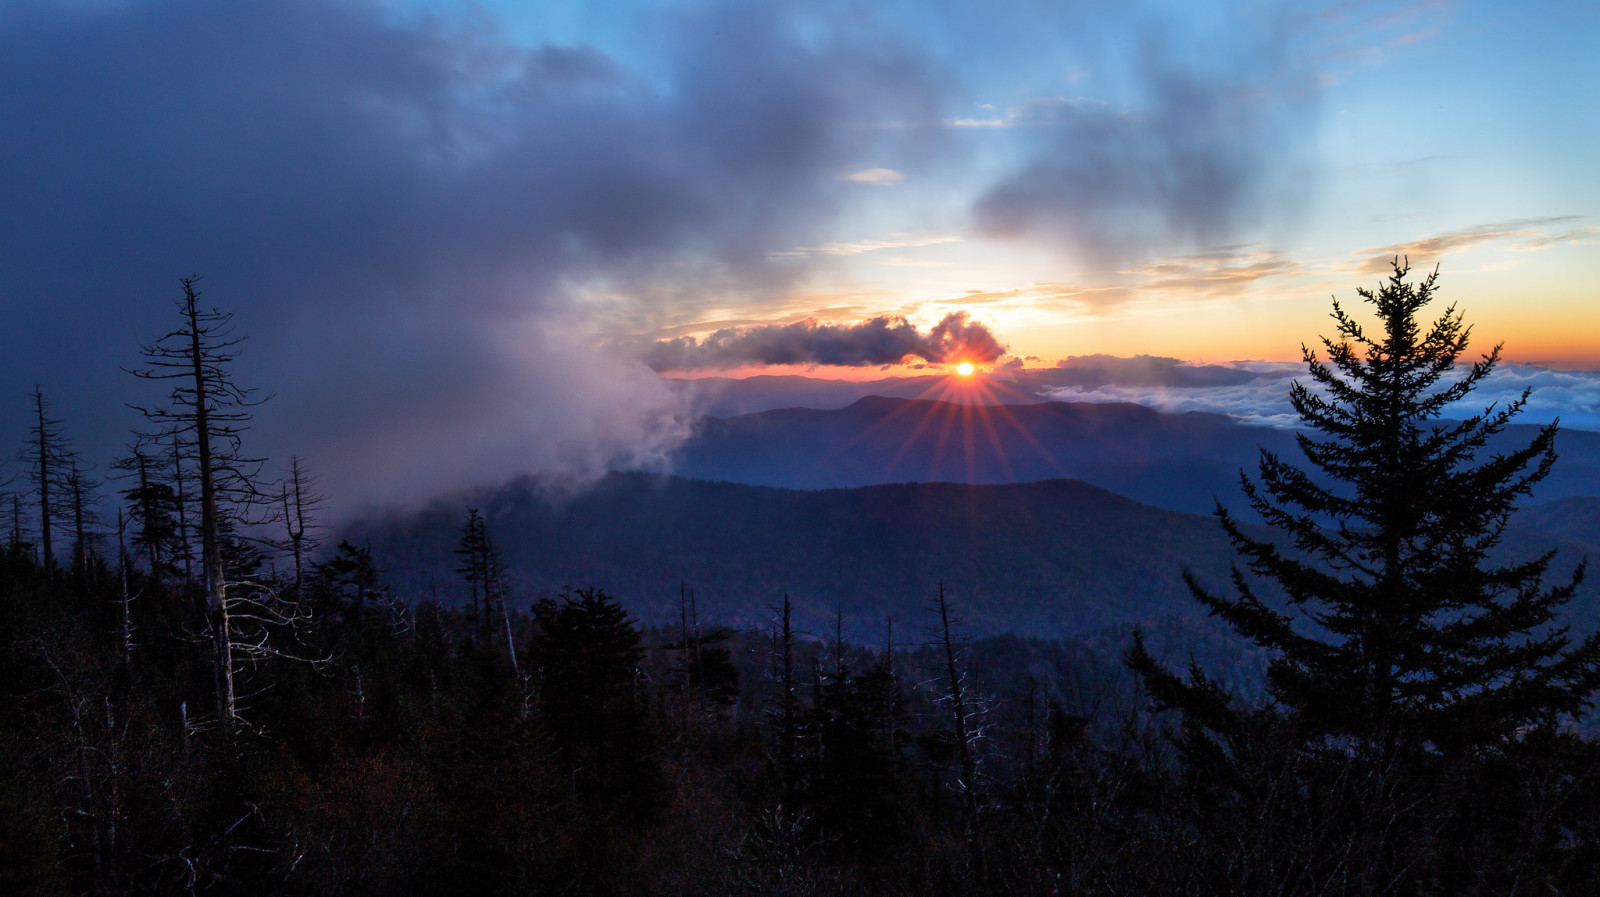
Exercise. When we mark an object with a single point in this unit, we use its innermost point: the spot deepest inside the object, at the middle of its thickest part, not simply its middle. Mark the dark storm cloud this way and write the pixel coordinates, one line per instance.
(878, 341)
(396, 208)
(1209, 147)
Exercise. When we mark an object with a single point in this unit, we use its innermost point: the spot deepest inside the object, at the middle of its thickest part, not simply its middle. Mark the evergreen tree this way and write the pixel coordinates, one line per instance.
(152, 512)
(348, 583)
(473, 549)
(1404, 633)
(585, 660)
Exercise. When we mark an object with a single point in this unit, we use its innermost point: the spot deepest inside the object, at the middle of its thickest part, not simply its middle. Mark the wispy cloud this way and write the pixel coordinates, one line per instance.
(858, 247)
(1522, 234)
(877, 177)
(1039, 112)
(1222, 270)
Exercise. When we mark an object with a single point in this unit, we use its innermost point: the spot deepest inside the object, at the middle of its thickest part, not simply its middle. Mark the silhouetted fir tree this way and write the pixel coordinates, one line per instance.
(1408, 635)
(346, 584)
(473, 550)
(584, 659)
(854, 782)
(152, 512)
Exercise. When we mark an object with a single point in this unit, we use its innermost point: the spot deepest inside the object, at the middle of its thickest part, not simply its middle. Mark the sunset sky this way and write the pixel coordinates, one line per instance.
(1175, 179)
(454, 230)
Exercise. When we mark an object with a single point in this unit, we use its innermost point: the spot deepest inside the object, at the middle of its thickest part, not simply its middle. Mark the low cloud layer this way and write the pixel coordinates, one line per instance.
(1147, 370)
(878, 341)
(1263, 396)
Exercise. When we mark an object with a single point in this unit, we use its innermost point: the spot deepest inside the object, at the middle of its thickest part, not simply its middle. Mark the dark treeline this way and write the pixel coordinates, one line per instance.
(197, 696)
(411, 755)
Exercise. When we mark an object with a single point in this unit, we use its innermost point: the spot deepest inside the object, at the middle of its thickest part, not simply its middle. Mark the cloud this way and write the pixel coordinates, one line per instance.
(1259, 393)
(1207, 148)
(877, 341)
(1221, 270)
(878, 177)
(859, 247)
(399, 211)
(1523, 234)
(1147, 370)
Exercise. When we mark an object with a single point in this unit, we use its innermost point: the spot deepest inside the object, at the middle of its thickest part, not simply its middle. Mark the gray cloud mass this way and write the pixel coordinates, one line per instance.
(395, 209)
(877, 341)
(1210, 147)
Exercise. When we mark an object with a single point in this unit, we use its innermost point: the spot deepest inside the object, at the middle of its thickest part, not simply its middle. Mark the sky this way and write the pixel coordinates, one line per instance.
(463, 238)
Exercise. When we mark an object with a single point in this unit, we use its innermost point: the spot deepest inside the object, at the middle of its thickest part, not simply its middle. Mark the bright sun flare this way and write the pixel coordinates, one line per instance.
(964, 368)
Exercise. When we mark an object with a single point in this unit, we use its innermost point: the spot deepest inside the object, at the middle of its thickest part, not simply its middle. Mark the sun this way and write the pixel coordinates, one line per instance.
(964, 368)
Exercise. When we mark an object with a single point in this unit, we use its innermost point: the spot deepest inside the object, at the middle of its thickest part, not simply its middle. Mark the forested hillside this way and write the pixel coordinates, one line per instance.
(1058, 558)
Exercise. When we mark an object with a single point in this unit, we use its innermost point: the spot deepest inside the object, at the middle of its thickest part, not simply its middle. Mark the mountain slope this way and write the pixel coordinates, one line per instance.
(1051, 558)
(1048, 558)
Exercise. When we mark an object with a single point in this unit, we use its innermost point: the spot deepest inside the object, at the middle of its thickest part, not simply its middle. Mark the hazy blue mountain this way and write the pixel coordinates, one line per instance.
(728, 396)
(1181, 462)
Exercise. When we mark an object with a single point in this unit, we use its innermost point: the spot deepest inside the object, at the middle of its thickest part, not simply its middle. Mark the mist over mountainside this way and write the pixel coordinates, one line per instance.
(1182, 462)
(1058, 558)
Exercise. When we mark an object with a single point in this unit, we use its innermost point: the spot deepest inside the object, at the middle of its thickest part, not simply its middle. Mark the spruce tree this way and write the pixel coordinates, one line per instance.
(1402, 629)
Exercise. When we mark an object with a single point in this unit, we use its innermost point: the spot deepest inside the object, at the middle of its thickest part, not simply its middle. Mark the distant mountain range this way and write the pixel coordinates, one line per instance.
(1182, 462)
(1049, 519)
(1058, 558)
(730, 396)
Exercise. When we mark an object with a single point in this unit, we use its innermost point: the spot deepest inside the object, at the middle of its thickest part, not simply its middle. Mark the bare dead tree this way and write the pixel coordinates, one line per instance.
(301, 499)
(785, 716)
(48, 457)
(82, 491)
(126, 599)
(182, 548)
(15, 539)
(208, 412)
(964, 728)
